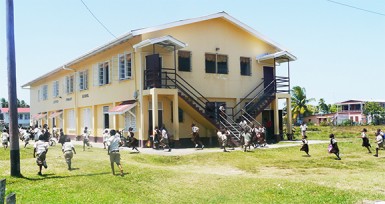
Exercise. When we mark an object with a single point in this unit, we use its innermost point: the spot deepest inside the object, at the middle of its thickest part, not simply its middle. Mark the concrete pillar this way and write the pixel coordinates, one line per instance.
(176, 116)
(276, 116)
(289, 121)
(94, 122)
(77, 122)
(64, 122)
(154, 98)
(115, 117)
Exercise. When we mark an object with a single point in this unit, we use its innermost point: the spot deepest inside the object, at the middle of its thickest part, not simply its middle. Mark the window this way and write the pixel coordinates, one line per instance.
(20, 116)
(130, 119)
(180, 114)
(216, 63)
(71, 119)
(83, 80)
(26, 116)
(245, 66)
(87, 118)
(44, 92)
(69, 84)
(184, 61)
(125, 71)
(104, 73)
(55, 89)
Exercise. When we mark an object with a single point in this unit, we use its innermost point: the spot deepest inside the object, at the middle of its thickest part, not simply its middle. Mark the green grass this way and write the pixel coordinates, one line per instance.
(281, 175)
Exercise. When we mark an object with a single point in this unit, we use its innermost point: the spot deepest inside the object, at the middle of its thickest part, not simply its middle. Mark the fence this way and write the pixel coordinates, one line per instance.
(10, 199)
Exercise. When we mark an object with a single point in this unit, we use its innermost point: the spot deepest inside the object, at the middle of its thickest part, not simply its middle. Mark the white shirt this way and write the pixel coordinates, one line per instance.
(4, 136)
(40, 146)
(86, 134)
(195, 129)
(67, 146)
(303, 127)
(363, 134)
(379, 139)
(106, 136)
(164, 134)
(114, 142)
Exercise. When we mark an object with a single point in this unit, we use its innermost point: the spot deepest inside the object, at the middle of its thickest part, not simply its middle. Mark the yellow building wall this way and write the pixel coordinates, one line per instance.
(203, 37)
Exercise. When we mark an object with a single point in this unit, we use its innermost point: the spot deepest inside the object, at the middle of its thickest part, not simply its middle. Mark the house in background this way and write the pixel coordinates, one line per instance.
(353, 110)
(23, 118)
(170, 75)
(350, 110)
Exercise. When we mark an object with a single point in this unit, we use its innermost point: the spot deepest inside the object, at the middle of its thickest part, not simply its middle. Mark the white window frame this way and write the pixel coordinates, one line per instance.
(55, 89)
(103, 78)
(83, 80)
(70, 84)
(44, 92)
(125, 66)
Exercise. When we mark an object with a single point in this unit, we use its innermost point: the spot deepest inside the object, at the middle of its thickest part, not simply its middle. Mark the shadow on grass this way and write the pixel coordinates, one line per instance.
(53, 176)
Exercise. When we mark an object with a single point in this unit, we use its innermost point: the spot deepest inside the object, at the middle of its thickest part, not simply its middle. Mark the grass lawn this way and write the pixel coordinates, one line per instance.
(281, 175)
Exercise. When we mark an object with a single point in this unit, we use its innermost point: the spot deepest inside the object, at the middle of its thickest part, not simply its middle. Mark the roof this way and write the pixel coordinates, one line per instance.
(165, 41)
(138, 32)
(19, 110)
(359, 101)
(281, 56)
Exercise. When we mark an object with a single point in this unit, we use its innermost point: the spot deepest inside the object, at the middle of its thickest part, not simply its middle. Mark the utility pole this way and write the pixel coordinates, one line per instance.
(12, 94)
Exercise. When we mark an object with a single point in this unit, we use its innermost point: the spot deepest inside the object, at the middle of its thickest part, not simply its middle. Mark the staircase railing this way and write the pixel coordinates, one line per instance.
(244, 98)
(229, 124)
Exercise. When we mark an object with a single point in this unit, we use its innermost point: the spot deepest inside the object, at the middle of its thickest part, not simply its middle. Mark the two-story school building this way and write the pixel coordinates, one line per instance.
(170, 75)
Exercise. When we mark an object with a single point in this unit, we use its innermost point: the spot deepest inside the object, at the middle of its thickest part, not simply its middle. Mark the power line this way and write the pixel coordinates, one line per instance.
(98, 19)
(361, 9)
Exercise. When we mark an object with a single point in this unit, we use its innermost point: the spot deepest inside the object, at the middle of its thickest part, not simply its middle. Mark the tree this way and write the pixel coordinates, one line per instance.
(323, 107)
(20, 104)
(299, 102)
(4, 103)
(373, 109)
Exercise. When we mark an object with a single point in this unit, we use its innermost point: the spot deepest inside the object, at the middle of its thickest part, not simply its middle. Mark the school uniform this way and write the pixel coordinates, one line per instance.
(114, 148)
(380, 141)
(68, 152)
(305, 146)
(365, 140)
(335, 148)
(41, 148)
(4, 139)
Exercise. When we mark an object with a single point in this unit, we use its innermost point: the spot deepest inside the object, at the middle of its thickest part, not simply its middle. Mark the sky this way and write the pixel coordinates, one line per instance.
(340, 50)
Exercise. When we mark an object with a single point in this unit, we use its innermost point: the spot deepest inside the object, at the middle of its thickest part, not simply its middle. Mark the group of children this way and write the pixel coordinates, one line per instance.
(333, 147)
(380, 136)
(161, 138)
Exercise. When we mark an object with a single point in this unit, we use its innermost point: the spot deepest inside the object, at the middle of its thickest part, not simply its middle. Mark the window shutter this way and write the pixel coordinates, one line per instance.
(63, 87)
(95, 74)
(85, 78)
(115, 68)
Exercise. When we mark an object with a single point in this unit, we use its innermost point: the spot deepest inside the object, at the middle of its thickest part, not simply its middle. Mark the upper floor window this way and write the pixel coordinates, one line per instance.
(55, 89)
(245, 66)
(216, 63)
(69, 81)
(125, 71)
(184, 61)
(104, 73)
(44, 92)
(83, 80)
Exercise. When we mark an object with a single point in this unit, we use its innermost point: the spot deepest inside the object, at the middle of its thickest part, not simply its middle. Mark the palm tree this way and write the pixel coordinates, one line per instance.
(299, 102)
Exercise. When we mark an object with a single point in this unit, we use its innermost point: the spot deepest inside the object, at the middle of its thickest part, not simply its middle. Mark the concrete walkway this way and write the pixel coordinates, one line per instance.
(186, 151)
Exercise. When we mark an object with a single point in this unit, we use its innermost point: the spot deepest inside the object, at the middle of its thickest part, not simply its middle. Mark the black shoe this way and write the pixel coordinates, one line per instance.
(39, 173)
(376, 155)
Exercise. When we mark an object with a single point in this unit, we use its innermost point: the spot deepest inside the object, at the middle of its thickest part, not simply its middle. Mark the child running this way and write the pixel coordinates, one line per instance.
(68, 150)
(39, 152)
(335, 148)
(305, 145)
(365, 140)
(4, 138)
(380, 142)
